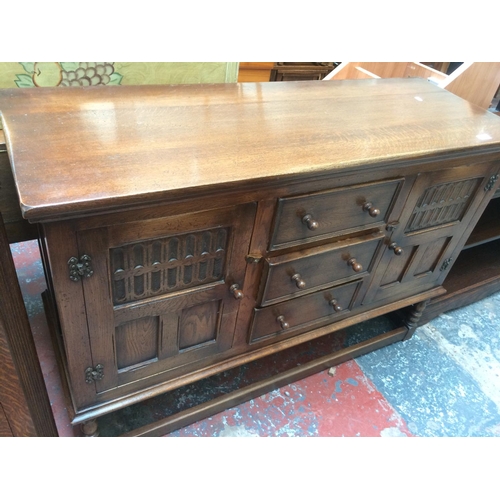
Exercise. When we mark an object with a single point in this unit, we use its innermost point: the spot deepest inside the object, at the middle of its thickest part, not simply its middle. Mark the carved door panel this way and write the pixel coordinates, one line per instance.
(163, 292)
(420, 248)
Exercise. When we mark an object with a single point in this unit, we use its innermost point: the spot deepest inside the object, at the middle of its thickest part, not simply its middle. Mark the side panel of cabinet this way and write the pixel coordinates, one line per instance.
(60, 244)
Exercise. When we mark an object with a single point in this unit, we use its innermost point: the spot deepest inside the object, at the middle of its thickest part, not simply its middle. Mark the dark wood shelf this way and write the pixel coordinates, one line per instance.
(475, 275)
(488, 227)
(475, 265)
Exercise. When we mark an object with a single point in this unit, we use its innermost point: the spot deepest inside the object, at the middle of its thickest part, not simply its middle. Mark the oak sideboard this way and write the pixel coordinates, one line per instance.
(188, 229)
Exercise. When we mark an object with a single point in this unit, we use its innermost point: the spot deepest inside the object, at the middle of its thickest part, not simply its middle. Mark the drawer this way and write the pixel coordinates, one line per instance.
(305, 271)
(305, 218)
(307, 312)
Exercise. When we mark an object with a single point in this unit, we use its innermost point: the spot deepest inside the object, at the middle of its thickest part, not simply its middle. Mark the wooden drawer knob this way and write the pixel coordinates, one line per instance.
(310, 222)
(368, 207)
(395, 248)
(298, 281)
(356, 266)
(237, 293)
(282, 322)
(335, 305)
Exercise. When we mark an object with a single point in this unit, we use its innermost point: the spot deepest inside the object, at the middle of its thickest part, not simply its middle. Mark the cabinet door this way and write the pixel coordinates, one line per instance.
(439, 214)
(163, 293)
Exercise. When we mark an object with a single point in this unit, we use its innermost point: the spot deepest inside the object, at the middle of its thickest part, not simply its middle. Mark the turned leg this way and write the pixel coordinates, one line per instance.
(413, 316)
(90, 428)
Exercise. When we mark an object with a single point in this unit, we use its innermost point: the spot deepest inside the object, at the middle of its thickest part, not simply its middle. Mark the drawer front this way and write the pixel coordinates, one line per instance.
(293, 316)
(307, 218)
(303, 272)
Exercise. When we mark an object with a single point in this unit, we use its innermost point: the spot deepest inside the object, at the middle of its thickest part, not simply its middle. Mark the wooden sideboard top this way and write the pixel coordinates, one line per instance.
(85, 150)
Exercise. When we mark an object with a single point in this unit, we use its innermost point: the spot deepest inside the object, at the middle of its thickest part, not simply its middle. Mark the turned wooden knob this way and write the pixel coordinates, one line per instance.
(356, 266)
(299, 281)
(335, 305)
(282, 322)
(310, 222)
(368, 207)
(396, 249)
(237, 293)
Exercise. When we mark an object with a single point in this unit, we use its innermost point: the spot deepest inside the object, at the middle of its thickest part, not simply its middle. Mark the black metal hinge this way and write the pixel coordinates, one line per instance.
(92, 374)
(491, 183)
(445, 264)
(80, 268)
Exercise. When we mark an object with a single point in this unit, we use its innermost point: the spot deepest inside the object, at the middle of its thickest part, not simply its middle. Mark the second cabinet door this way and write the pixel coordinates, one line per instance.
(422, 245)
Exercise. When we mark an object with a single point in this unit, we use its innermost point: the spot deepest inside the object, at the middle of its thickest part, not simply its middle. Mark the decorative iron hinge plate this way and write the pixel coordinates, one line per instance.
(445, 264)
(80, 268)
(491, 183)
(92, 374)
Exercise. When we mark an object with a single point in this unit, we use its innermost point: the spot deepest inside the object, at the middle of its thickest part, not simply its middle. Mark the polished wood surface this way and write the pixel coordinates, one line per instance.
(102, 148)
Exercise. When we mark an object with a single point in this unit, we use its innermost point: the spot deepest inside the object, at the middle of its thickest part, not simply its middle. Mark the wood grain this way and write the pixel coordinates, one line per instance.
(5, 429)
(93, 145)
(14, 405)
(137, 342)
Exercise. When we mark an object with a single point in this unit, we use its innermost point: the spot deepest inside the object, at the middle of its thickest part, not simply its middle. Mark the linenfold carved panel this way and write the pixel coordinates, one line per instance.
(159, 266)
(442, 204)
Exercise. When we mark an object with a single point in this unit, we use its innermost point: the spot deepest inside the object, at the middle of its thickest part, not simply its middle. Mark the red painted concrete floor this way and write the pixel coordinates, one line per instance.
(337, 402)
(344, 403)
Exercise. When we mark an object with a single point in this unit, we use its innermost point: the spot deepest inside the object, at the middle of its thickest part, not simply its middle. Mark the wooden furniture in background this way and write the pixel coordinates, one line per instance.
(438, 66)
(255, 71)
(476, 82)
(294, 71)
(24, 404)
(253, 222)
(283, 71)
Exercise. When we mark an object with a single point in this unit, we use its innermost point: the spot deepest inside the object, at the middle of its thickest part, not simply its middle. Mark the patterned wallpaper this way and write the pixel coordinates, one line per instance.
(54, 74)
(60, 74)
